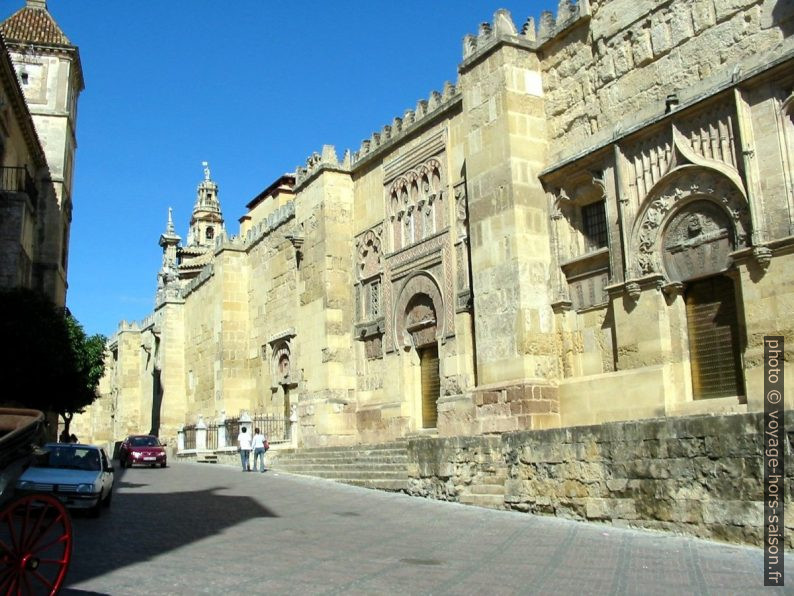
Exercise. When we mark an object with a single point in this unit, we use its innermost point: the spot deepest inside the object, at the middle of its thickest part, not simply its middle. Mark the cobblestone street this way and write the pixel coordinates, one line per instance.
(194, 528)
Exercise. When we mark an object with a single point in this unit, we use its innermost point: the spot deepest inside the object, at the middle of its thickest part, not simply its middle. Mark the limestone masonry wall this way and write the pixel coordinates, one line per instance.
(633, 53)
(700, 475)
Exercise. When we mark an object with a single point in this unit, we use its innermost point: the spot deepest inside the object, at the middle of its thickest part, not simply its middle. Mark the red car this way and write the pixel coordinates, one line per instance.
(142, 449)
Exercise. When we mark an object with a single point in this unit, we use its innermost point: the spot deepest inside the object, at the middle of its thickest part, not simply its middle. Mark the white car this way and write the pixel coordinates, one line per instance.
(80, 476)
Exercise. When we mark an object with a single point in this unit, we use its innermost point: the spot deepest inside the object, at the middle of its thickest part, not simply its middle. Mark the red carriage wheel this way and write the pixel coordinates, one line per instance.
(35, 545)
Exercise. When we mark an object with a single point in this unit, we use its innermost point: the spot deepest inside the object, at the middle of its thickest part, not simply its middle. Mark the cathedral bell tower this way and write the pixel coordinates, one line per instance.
(206, 222)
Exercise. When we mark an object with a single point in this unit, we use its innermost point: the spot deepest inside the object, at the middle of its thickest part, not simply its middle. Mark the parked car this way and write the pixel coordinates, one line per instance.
(143, 450)
(80, 476)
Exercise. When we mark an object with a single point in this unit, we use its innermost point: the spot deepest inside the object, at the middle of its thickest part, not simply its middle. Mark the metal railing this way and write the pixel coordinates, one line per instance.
(275, 428)
(190, 436)
(212, 437)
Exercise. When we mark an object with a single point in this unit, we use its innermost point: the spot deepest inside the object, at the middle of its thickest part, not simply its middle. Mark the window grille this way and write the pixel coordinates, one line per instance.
(594, 222)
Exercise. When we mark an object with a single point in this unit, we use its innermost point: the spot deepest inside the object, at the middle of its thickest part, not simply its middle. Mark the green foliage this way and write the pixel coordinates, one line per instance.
(89, 361)
(50, 363)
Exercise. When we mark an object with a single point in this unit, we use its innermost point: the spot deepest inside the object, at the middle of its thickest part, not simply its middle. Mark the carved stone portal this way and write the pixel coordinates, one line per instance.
(697, 242)
(687, 187)
(416, 313)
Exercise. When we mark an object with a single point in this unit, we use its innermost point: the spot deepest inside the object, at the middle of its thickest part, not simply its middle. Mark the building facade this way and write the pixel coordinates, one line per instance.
(595, 223)
(41, 79)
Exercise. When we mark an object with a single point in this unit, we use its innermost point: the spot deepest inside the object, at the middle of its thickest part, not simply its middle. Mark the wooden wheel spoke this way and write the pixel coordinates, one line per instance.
(35, 533)
(15, 546)
(6, 579)
(43, 580)
(35, 546)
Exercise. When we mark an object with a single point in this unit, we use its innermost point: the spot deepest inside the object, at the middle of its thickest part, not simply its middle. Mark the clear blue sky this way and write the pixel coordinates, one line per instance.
(253, 87)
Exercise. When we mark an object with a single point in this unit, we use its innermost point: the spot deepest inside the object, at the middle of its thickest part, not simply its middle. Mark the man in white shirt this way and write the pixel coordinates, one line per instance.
(244, 442)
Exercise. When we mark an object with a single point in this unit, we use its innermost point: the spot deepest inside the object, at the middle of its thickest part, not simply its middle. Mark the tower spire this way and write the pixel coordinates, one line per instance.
(206, 223)
(169, 228)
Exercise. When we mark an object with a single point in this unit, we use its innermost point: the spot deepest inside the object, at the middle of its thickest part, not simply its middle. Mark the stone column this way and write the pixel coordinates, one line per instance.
(180, 440)
(201, 435)
(221, 422)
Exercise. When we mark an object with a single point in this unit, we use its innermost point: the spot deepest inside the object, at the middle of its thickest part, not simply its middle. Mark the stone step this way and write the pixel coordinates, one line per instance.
(499, 479)
(352, 474)
(342, 461)
(399, 455)
(207, 458)
(352, 448)
(393, 485)
(486, 489)
(339, 462)
(489, 501)
(345, 450)
(309, 469)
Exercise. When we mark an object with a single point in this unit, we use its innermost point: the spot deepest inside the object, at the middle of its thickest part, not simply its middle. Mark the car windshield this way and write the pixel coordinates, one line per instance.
(144, 442)
(68, 457)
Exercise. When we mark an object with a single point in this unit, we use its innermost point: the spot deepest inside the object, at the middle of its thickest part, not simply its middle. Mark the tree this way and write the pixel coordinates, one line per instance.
(50, 364)
(89, 361)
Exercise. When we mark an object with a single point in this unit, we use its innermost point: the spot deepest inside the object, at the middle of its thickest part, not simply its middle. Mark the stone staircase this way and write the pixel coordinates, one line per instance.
(383, 466)
(487, 491)
(207, 458)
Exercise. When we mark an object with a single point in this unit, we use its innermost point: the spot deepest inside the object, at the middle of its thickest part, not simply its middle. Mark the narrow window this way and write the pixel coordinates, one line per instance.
(210, 233)
(594, 224)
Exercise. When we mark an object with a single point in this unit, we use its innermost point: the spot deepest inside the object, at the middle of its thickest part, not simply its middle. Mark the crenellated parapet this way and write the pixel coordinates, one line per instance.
(319, 162)
(531, 35)
(205, 274)
(268, 225)
(425, 109)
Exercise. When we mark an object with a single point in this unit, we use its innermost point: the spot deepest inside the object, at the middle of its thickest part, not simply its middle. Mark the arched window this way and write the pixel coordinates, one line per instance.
(210, 233)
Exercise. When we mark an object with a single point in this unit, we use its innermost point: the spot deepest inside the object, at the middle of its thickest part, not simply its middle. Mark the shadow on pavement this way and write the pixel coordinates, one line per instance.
(145, 525)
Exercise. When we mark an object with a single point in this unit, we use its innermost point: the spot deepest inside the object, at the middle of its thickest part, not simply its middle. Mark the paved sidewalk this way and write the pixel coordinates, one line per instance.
(208, 529)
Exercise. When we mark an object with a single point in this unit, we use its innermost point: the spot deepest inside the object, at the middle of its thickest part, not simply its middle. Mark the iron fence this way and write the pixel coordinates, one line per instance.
(275, 428)
(212, 437)
(190, 436)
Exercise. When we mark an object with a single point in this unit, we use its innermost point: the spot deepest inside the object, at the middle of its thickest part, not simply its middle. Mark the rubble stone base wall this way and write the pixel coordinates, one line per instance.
(699, 475)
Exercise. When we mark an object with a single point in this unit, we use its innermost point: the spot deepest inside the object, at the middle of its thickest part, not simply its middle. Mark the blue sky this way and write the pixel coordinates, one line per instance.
(253, 87)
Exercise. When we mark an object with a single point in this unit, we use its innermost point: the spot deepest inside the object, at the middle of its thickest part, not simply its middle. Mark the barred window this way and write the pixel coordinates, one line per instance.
(594, 224)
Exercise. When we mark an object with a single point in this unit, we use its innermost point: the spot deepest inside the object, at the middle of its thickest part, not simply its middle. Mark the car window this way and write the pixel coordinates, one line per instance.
(69, 457)
(144, 442)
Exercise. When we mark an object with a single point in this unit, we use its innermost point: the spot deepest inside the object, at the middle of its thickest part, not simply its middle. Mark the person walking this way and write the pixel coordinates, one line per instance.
(259, 443)
(244, 443)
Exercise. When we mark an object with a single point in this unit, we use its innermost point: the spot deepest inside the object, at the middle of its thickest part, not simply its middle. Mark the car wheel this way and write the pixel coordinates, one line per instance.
(106, 500)
(162, 465)
(128, 463)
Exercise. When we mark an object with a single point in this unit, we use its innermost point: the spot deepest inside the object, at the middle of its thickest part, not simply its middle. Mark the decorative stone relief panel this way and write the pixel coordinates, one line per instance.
(369, 252)
(281, 360)
(688, 185)
(435, 254)
(415, 204)
(697, 241)
(649, 160)
(710, 133)
(462, 255)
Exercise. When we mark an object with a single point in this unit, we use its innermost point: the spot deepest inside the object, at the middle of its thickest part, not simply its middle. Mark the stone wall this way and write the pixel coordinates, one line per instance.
(700, 475)
(633, 53)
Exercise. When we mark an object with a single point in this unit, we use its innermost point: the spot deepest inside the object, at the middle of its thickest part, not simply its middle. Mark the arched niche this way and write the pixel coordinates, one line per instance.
(690, 207)
(418, 312)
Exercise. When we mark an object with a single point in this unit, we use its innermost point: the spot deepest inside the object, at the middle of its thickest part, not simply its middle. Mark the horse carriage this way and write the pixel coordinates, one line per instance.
(35, 529)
